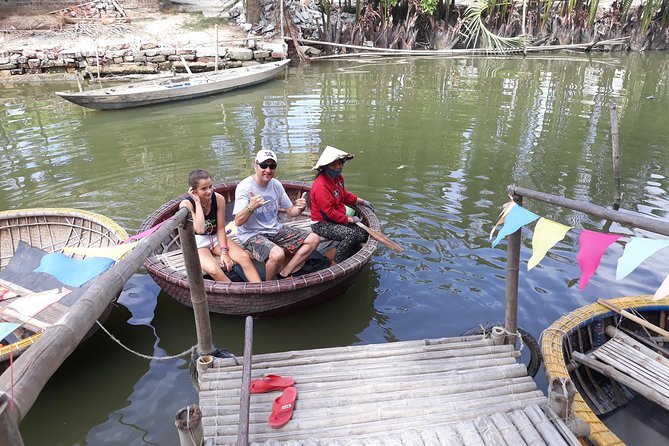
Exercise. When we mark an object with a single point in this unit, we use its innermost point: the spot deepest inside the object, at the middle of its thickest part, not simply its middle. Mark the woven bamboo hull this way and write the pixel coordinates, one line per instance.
(265, 298)
(52, 229)
(577, 331)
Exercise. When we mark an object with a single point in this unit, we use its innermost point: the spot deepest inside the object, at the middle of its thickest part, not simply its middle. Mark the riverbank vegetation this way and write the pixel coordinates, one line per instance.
(435, 24)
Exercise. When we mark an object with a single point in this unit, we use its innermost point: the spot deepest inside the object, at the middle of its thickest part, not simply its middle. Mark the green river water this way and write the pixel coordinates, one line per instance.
(436, 143)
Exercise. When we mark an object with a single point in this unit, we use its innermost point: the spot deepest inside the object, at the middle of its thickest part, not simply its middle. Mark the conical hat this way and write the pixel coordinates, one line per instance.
(329, 155)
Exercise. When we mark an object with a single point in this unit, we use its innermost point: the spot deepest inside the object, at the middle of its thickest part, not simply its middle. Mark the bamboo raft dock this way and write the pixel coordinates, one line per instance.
(446, 391)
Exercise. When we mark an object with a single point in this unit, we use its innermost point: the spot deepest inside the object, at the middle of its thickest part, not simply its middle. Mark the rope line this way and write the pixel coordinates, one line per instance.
(141, 355)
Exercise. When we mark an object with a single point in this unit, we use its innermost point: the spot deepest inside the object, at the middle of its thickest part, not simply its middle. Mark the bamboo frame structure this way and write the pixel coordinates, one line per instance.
(59, 341)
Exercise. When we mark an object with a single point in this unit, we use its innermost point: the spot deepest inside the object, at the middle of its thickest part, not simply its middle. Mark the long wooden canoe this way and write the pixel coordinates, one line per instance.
(177, 88)
(264, 298)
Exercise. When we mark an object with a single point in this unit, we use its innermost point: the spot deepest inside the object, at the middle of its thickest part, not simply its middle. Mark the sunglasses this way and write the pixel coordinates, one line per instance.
(271, 166)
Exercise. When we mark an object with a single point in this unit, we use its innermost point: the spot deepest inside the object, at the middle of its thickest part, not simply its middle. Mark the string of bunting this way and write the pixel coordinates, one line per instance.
(592, 244)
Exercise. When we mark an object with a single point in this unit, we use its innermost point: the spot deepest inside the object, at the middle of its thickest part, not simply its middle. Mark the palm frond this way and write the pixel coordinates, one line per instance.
(594, 4)
(647, 17)
(479, 35)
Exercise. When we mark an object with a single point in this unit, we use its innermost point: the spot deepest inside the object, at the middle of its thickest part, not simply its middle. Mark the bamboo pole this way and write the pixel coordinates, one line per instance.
(33, 368)
(365, 350)
(198, 297)
(622, 337)
(245, 398)
(507, 429)
(97, 59)
(9, 428)
(642, 222)
(216, 54)
(614, 374)
(512, 270)
(615, 148)
(637, 319)
(526, 428)
(647, 342)
(543, 425)
(229, 385)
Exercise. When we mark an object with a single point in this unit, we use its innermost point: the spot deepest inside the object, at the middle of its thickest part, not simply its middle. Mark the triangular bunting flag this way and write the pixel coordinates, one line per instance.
(518, 217)
(636, 251)
(663, 291)
(592, 247)
(146, 233)
(546, 234)
(506, 208)
(6, 328)
(111, 252)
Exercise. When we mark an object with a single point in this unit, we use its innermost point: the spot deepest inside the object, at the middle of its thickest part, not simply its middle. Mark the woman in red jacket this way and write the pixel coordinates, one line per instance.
(329, 199)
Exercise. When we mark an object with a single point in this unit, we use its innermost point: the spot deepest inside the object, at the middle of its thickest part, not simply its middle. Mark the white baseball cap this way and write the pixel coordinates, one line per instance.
(265, 155)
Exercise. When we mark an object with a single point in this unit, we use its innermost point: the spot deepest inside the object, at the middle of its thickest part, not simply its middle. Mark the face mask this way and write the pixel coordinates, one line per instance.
(332, 173)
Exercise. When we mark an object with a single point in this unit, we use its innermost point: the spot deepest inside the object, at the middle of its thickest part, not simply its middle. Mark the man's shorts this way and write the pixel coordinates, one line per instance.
(288, 238)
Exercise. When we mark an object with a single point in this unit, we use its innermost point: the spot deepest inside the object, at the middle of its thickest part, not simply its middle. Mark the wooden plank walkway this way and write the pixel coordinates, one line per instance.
(462, 390)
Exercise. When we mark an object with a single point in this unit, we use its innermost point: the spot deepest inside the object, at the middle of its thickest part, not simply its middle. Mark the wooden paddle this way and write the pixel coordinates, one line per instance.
(376, 235)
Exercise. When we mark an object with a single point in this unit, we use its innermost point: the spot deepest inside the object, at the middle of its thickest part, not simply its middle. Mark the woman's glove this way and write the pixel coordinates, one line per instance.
(355, 219)
(369, 205)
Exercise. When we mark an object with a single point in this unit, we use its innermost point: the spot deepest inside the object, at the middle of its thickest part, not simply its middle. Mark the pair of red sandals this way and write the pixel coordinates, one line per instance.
(282, 408)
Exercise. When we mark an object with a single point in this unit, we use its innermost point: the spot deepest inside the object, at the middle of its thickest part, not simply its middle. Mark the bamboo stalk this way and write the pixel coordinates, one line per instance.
(526, 428)
(489, 432)
(612, 373)
(316, 381)
(383, 359)
(245, 398)
(363, 398)
(198, 297)
(389, 419)
(654, 225)
(468, 433)
(615, 149)
(543, 425)
(348, 388)
(512, 271)
(505, 425)
(638, 320)
(638, 366)
(455, 342)
(647, 342)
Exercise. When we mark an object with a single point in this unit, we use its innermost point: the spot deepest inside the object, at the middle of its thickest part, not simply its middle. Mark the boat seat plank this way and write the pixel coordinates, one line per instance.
(641, 370)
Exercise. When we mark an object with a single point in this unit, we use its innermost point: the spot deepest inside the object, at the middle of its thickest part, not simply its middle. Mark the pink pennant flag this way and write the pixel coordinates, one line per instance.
(143, 234)
(592, 247)
(663, 291)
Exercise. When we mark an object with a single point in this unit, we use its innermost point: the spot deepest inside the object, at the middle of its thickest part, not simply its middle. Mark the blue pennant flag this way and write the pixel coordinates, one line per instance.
(517, 218)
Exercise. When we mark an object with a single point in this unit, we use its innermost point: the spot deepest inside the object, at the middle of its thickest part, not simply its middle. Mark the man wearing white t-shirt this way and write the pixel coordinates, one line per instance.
(258, 199)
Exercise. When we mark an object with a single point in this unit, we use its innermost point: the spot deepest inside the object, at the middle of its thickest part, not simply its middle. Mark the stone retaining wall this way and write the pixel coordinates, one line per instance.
(31, 7)
(126, 59)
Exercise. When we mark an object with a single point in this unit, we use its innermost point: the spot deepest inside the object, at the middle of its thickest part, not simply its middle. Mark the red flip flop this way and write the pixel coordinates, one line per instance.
(282, 409)
(271, 382)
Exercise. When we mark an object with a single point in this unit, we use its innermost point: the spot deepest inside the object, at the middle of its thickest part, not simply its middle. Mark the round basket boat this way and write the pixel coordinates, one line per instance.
(51, 230)
(579, 331)
(264, 298)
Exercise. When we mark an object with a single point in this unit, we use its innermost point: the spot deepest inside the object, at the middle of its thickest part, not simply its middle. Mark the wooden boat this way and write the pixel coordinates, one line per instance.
(51, 230)
(264, 298)
(174, 89)
(585, 334)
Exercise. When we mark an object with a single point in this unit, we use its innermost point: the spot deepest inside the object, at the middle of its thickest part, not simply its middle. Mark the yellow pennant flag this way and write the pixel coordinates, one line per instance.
(546, 234)
(111, 252)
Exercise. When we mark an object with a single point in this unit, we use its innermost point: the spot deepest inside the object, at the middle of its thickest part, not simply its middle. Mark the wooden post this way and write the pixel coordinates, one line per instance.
(59, 340)
(216, 55)
(512, 269)
(615, 148)
(97, 58)
(245, 398)
(205, 343)
(657, 226)
(189, 425)
(9, 429)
